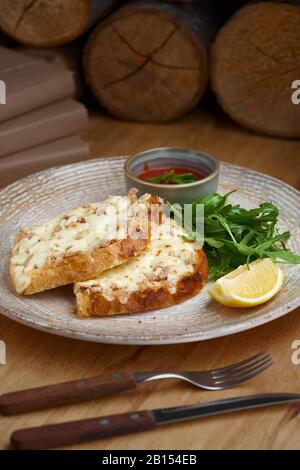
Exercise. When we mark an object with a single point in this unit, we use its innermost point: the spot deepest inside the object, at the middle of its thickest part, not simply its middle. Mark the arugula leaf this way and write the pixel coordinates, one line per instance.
(171, 177)
(283, 256)
(234, 235)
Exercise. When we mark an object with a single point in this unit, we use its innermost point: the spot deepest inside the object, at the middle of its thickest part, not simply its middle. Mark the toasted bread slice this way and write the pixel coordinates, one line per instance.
(80, 244)
(168, 271)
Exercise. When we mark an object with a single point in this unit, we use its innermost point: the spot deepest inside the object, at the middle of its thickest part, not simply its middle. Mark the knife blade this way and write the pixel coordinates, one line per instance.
(201, 410)
(56, 435)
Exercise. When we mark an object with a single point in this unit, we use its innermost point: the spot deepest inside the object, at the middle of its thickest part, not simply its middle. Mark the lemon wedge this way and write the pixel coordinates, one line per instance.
(249, 286)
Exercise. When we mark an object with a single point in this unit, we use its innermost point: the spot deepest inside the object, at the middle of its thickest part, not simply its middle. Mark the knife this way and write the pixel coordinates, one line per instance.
(56, 435)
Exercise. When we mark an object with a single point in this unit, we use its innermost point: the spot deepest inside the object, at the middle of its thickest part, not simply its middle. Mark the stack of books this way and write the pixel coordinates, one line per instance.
(39, 119)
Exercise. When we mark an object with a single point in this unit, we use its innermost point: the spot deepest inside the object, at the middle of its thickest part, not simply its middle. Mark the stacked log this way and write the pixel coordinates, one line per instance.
(47, 23)
(149, 61)
(254, 61)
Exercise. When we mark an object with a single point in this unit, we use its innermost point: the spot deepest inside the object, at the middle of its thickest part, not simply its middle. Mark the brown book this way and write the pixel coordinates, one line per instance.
(58, 152)
(31, 83)
(43, 125)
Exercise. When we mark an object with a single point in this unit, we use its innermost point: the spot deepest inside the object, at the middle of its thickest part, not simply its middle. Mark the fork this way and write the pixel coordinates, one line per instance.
(216, 379)
(94, 387)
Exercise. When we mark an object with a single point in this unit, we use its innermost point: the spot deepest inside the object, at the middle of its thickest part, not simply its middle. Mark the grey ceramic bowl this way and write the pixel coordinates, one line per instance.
(174, 158)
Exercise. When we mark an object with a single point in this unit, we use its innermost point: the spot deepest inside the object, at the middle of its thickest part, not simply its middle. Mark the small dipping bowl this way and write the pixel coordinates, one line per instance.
(192, 160)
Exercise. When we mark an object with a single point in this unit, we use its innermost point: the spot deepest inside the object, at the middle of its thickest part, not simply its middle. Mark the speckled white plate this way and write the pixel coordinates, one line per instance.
(38, 197)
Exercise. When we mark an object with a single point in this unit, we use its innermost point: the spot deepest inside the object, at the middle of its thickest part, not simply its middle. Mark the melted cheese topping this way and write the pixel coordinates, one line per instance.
(79, 230)
(164, 262)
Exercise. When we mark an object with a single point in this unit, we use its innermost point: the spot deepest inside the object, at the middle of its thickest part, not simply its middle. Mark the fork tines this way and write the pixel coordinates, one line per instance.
(227, 377)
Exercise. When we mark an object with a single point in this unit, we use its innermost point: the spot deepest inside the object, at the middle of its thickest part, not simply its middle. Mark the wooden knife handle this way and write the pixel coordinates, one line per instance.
(65, 393)
(57, 435)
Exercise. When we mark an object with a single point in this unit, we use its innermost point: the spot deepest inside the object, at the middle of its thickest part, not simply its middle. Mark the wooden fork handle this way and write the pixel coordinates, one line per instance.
(57, 435)
(65, 393)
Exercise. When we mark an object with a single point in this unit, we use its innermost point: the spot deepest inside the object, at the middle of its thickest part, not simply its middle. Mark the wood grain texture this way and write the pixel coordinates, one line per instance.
(56, 435)
(44, 23)
(148, 61)
(65, 393)
(47, 23)
(255, 59)
(35, 358)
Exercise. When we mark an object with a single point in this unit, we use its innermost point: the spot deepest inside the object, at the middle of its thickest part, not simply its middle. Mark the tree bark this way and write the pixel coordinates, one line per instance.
(47, 23)
(148, 61)
(254, 61)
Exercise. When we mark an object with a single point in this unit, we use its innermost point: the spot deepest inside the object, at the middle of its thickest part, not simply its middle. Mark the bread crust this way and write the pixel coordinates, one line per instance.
(91, 303)
(81, 266)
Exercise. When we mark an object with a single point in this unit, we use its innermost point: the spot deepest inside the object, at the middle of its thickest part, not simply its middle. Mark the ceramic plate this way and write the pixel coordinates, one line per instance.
(38, 197)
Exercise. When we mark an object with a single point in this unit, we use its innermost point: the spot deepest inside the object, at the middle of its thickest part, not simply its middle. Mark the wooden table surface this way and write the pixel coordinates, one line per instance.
(35, 358)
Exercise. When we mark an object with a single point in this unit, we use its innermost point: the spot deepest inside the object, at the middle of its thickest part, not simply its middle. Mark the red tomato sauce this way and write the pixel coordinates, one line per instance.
(157, 172)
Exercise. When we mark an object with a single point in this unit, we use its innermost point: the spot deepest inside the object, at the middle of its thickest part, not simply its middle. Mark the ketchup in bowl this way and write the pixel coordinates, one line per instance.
(169, 175)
